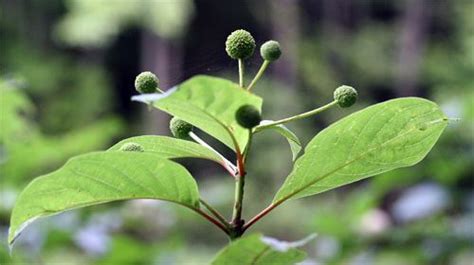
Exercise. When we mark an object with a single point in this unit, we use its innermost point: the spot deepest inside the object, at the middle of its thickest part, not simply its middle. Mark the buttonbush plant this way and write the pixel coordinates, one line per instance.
(382, 137)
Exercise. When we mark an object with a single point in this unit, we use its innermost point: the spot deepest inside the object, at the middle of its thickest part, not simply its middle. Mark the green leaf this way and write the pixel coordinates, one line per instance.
(210, 103)
(168, 147)
(393, 134)
(260, 250)
(99, 178)
(293, 140)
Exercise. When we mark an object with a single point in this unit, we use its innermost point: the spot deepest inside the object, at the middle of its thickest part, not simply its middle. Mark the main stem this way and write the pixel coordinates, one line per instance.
(237, 223)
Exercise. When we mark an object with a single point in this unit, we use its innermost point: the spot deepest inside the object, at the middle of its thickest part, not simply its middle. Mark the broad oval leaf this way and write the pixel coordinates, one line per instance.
(389, 135)
(99, 178)
(261, 250)
(169, 147)
(210, 103)
(293, 140)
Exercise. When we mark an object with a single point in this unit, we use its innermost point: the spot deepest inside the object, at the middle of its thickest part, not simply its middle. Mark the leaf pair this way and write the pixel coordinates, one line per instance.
(385, 136)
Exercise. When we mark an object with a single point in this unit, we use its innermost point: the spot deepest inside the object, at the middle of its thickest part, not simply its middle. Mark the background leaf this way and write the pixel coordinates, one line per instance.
(259, 250)
(293, 140)
(210, 103)
(169, 147)
(396, 133)
(103, 177)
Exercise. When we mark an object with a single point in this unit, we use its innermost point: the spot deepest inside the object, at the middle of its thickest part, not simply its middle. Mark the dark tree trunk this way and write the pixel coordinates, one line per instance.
(159, 56)
(413, 32)
(286, 29)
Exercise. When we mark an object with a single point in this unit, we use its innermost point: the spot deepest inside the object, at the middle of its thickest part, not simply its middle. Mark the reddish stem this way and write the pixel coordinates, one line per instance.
(212, 220)
(260, 215)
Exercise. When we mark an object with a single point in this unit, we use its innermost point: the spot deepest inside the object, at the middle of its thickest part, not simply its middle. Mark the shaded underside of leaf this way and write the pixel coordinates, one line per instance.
(382, 137)
(257, 250)
(293, 140)
(210, 103)
(169, 147)
(103, 177)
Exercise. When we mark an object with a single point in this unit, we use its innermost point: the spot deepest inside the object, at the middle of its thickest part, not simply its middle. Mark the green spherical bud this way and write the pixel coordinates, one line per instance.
(131, 147)
(240, 44)
(146, 82)
(270, 50)
(345, 96)
(180, 129)
(248, 116)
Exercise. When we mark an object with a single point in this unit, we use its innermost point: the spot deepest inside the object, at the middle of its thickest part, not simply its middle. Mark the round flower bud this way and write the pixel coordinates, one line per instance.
(240, 44)
(131, 147)
(248, 116)
(180, 129)
(270, 50)
(146, 82)
(345, 96)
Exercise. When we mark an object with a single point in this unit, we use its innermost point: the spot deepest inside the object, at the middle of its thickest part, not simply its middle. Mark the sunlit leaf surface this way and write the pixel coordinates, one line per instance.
(168, 147)
(103, 177)
(210, 103)
(382, 137)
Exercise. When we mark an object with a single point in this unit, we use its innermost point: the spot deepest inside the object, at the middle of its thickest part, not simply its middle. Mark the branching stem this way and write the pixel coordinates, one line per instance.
(259, 74)
(215, 212)
(297, 117)
(260, 215)
(241, 73)
(212, 220)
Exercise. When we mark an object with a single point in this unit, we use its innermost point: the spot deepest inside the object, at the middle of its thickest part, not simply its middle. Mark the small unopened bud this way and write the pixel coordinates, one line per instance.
(270, 50)
(240, 44)
(180, 129)
(131, 147)
(248, 116)
(345, 96)
(146, 82)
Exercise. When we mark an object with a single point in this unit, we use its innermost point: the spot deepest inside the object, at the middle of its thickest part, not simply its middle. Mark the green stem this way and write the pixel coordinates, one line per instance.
(215, 212)
(249, 144)
(297, 117)
(259, 74)
(241, 73)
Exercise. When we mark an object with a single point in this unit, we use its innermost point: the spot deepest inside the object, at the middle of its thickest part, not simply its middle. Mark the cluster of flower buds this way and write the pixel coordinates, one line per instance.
(240, 45)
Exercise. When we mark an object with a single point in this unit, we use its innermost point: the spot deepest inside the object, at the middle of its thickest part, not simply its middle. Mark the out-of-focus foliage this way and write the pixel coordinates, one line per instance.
(58, 83)
(95, 23)
(26, 151)
(31, 152)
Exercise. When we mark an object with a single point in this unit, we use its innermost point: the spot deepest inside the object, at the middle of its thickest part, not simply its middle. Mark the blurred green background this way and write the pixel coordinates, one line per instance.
(66, 76)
